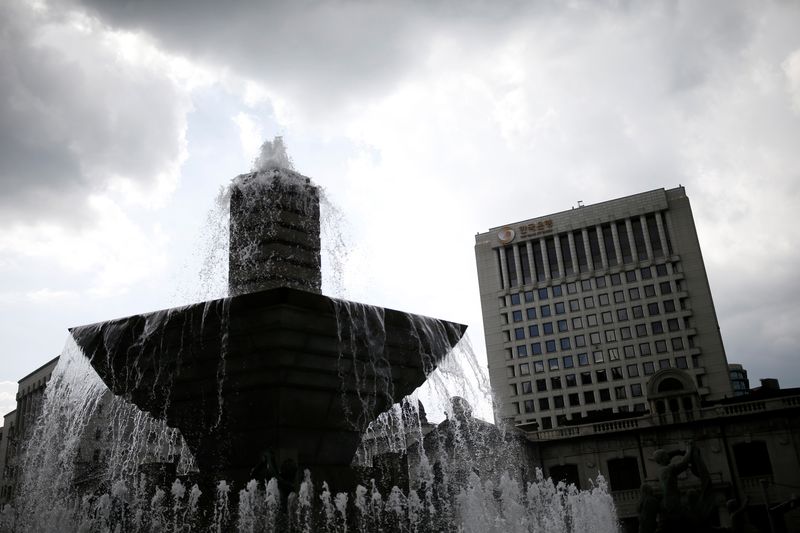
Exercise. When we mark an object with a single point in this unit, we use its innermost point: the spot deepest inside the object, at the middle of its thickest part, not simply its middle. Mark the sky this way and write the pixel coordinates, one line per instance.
(425, 123)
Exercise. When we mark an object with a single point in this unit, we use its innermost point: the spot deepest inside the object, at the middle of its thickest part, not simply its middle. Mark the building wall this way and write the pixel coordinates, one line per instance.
(7, 454)
(623, 287)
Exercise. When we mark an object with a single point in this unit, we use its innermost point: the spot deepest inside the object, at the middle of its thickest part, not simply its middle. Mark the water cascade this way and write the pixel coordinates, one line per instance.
(276, 409)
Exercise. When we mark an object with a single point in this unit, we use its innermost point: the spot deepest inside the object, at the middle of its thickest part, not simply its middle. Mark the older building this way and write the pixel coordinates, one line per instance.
(8, 441)
(581, 308)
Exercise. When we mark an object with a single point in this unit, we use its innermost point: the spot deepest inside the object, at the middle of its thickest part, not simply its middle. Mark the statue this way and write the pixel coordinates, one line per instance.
(649, 506)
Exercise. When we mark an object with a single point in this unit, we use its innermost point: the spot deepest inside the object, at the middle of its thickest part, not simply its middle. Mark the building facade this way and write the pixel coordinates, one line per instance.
(581, 308)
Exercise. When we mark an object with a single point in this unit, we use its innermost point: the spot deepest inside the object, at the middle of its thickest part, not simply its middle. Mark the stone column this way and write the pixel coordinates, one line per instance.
(662, 236)
(602, 243)
(631, 240)
(617, 247)
(572, 250)
(561, 271)
(587, 249)
(545, 259)
(504, 268)
(518, 265)
(531, 262)
(646, 235)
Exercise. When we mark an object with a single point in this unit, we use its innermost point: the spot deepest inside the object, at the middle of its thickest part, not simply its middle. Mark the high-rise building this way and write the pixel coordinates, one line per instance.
(582, 307)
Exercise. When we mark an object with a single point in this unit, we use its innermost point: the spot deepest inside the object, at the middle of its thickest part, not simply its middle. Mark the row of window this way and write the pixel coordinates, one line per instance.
(590, 397)
(590, 378)
(586, 285)
(560, 308)
(565, 344)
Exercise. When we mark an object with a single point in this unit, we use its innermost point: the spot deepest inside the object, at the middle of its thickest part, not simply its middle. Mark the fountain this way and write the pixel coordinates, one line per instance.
(245, 398)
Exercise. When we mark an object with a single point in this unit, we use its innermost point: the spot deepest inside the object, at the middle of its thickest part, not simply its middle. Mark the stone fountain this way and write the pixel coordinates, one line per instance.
(276, 378)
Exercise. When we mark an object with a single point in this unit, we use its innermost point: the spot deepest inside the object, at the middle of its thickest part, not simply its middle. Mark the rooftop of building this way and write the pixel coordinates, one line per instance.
(50, 362)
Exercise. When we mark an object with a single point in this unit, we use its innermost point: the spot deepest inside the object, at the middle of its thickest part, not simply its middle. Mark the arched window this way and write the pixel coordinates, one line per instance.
(623, 473)
(670, 384)
(752, 459)
(567, 473)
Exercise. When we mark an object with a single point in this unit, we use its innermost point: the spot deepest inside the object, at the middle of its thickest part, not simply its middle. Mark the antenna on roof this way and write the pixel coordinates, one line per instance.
(580, 203)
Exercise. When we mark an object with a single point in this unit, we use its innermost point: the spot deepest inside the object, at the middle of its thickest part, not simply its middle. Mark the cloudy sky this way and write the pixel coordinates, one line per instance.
(426, 122)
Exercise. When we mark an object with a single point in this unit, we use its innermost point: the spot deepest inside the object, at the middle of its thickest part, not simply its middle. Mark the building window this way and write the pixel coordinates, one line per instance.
(666, 287)
(550, 346)
(623, 474)
(601, 376)
(603, 299)
(541, 385)
(580, 341)
(583, 359)
(557, 291)
(646, 273)
(637, 311)
(625, 333)
(628, 351)
(657, 327)
(529, 406)
(649, 368)
(517, 316)
(558, 402)
(586, 285)
(633, 371)
(611, 335)
(530, 312)
(630, 276)
(591, 320)
(552, 364)
(547, 422)
(572, 287)
(661, 346)
(538, 366)
(613, 354)
(524, 369)
(528, 296)
(588, 302)
(641, 330)
(649, 291)
(620, 393)
(522, 351)
(562, 326)
(633, 293)
(586, 378)
(652, 309)
(533, 330)
(644, 349)
(607, 317)
(560, 308)
(600, 282)
(570, 380)
(619, 297)
(574, 305)
(536, 348)
(661, 270)
(543, 293)
(622, 314)
(574, 400)
(673, 324)
(515, 299)
(669, 306)
(594, 338)
(677, 343)
(597, 356)
(544, 310)
(681, 362)
(519, 333)
(544, 404)
(555, 383)
(513, 389)
(605, 395)
(565, 344)
(547, 327)
(616, 373)
(752, 459)
(663, 363)
(577, 323)
(569, 362)
(526, 387)
(510, 372)
(588, 397)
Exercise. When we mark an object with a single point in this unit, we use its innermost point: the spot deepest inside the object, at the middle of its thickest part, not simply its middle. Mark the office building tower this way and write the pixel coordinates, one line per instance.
(582, 307)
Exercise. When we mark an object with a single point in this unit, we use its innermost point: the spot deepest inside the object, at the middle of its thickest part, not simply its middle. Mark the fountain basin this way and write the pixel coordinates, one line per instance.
(268, 378)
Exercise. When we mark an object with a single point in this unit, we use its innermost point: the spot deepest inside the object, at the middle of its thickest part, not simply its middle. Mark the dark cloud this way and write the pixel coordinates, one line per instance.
(76, 115)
